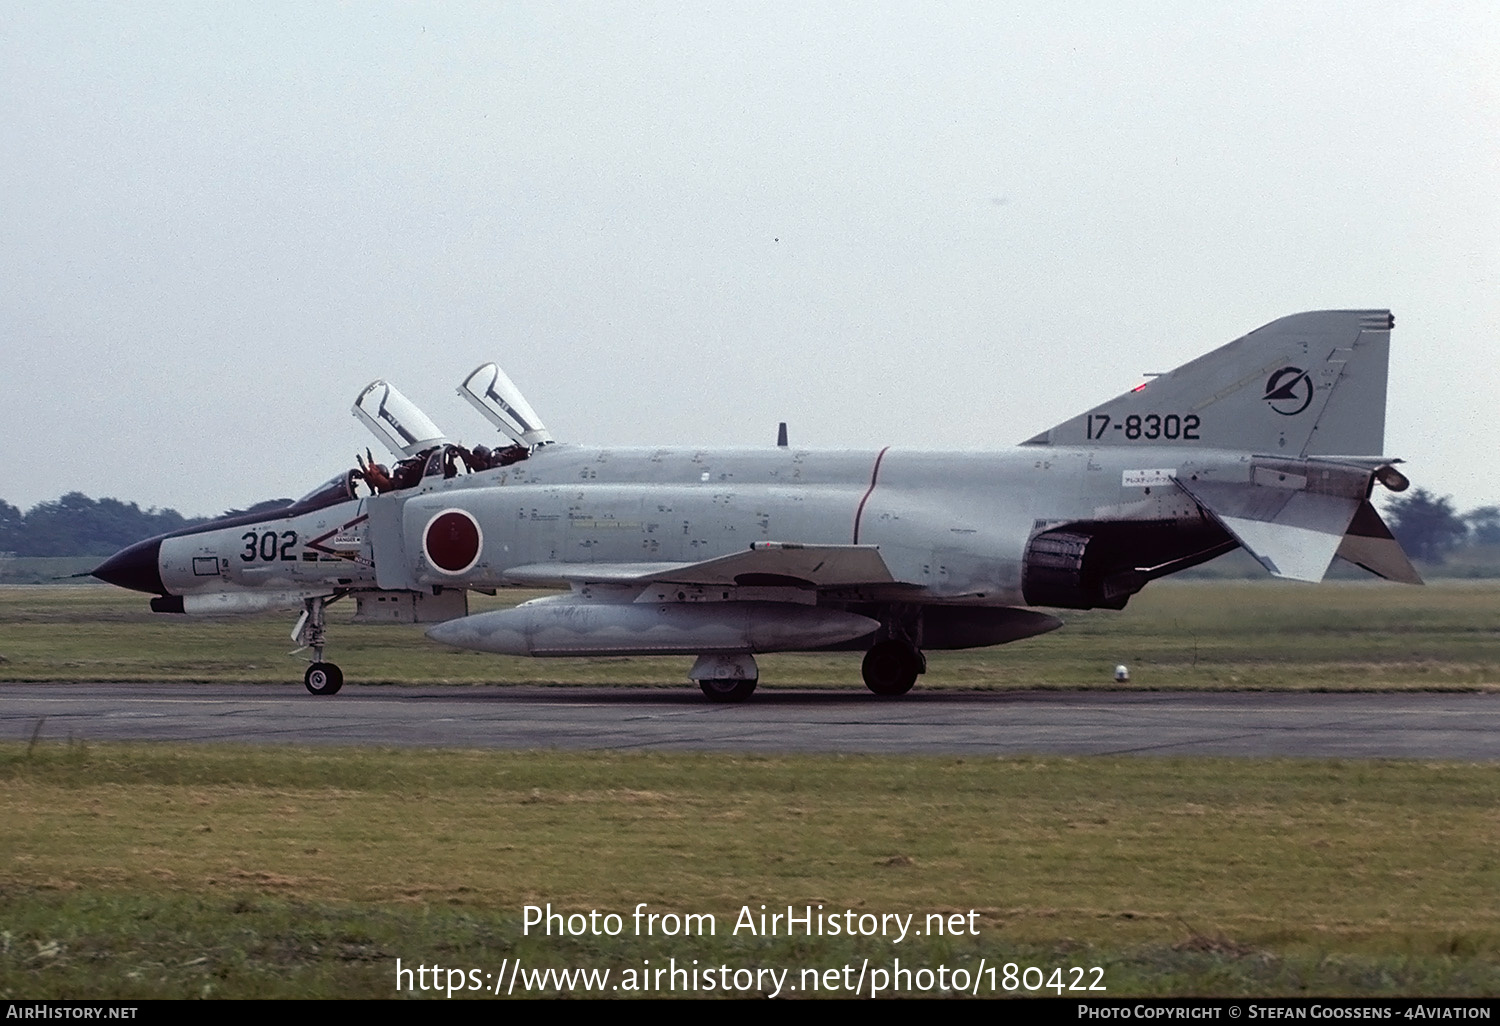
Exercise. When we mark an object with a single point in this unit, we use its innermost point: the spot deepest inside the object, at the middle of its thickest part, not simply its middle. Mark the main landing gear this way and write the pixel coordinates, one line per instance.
(891, 667)
(321, 678)
(726, 678)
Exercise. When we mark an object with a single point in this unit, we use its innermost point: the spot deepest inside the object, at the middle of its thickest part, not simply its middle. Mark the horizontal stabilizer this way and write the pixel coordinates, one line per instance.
(1292, 533)
(778, 563)
(1370, 545)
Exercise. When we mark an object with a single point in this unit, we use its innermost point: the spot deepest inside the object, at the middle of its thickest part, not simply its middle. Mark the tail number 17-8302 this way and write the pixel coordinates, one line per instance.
(1150, 426)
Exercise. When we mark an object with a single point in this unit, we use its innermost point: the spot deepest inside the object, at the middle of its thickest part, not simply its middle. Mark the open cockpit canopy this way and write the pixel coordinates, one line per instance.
(394, 419)
(490, 391)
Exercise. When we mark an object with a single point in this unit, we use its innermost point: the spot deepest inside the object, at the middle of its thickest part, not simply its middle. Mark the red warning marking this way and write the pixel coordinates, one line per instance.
(316, 544)
(452, 541)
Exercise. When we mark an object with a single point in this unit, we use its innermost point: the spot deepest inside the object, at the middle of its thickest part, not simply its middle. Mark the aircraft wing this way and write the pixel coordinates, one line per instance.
(763, 563)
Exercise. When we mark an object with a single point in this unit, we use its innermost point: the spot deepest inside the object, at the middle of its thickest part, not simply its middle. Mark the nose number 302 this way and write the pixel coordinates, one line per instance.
(269, 546)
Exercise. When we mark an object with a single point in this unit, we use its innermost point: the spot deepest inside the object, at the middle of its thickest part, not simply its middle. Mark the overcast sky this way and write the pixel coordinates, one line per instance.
(929, 225)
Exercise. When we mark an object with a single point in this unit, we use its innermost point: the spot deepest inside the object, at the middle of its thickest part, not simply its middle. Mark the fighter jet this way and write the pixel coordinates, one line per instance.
(1272, 443)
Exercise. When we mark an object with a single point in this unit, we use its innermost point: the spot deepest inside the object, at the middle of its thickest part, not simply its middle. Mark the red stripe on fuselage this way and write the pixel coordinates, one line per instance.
(874, 477)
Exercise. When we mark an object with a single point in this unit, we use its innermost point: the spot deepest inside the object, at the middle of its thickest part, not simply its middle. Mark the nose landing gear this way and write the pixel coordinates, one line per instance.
(321, 678)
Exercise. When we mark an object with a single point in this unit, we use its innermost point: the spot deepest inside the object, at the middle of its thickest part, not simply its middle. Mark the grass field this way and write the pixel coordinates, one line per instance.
(139, 871)
(180, 871)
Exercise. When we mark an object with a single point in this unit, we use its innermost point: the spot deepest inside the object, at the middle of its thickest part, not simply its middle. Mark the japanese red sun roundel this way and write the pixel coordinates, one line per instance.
(452, 541)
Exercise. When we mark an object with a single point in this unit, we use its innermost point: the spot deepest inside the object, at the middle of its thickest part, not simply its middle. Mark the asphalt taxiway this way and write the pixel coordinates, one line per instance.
(1449, 726)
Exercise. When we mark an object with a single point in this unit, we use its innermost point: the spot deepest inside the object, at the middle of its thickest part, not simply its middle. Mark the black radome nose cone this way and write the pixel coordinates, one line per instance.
(136, 567)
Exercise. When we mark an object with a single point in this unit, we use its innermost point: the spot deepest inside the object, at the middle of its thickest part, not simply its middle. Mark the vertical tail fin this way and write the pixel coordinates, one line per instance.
(1308, 384)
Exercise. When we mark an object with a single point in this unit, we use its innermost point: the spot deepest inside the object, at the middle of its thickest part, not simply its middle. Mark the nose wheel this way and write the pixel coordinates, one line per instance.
(323, 678)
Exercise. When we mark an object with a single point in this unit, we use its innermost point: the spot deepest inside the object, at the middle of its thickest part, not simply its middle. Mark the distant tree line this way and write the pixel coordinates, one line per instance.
(76, 525)
(1429, 528)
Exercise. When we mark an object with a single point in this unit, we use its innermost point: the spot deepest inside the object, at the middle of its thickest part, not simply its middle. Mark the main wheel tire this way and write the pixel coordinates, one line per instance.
(728, 690)
(323, 679)
(890, 668)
